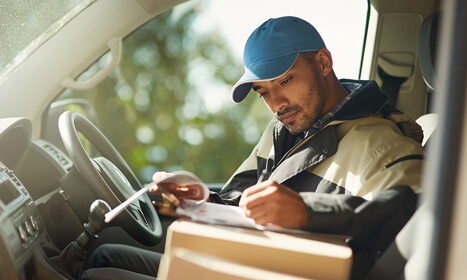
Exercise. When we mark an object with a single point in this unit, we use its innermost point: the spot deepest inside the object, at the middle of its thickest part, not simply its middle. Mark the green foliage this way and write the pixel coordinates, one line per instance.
(153, 109)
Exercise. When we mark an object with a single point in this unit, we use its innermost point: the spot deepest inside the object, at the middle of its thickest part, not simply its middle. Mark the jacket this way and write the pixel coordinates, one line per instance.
(368, 152)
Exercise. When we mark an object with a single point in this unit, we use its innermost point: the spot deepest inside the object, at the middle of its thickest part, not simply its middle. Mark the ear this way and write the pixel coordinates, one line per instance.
(324, 61)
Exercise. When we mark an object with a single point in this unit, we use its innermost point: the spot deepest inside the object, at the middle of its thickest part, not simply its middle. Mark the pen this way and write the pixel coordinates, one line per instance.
(264, 175)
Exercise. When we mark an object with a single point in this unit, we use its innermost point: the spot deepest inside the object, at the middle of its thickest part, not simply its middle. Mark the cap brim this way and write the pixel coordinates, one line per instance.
(264, 71)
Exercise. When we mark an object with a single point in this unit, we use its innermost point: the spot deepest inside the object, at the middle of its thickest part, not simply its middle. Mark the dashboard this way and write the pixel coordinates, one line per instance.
(41, 219)
(22, 228)
(33, 209)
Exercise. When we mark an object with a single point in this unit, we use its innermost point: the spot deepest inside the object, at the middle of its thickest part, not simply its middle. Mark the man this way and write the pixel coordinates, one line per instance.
(336, 159)
(329, 136)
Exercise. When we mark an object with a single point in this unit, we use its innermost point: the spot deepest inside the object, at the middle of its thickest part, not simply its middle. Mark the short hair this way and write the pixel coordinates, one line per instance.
(309, 56)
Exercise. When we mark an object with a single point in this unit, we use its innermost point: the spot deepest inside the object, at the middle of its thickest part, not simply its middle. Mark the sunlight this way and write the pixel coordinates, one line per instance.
(235, 20)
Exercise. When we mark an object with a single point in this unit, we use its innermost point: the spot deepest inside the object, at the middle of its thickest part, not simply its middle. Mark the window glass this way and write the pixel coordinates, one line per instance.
(167, 106)
(24, 25)
(341, 23)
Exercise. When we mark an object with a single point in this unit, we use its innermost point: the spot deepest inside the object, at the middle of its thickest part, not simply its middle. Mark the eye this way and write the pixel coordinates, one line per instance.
(261, 94)
(286, 81)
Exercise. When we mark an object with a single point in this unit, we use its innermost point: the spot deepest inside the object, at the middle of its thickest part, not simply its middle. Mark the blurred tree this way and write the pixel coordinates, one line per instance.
(155, 106)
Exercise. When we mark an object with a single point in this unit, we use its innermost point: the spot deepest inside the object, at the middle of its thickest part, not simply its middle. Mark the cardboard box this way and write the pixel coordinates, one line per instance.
(202, 251)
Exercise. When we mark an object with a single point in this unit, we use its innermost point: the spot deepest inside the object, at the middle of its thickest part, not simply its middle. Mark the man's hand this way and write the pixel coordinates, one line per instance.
(193, 192)
(272, 203)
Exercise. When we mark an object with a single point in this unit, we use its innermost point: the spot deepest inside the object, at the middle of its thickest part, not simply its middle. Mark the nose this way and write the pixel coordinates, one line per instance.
(277, 101)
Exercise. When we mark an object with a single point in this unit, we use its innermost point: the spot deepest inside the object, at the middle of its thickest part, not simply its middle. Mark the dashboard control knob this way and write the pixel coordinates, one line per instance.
(22, 233)
(29, 228)
(34, 224)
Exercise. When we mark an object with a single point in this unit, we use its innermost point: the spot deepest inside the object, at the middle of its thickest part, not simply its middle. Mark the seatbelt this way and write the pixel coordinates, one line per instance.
(391, 86)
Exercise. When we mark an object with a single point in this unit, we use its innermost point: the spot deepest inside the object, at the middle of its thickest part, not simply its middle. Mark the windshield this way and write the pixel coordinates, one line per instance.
(25, 25)
(167, 106)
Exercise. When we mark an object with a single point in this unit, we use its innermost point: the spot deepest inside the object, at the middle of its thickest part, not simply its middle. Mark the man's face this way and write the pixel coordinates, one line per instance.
(297, 97)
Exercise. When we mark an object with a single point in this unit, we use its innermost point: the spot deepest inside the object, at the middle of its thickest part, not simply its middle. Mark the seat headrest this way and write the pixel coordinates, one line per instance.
(427, 43)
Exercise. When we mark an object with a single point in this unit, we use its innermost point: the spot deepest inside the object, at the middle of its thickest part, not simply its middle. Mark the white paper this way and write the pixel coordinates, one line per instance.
(219, 214)
(177, 177)
(229, 215)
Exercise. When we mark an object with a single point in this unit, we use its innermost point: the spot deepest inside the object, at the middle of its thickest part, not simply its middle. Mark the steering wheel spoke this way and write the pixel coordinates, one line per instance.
(139, 215)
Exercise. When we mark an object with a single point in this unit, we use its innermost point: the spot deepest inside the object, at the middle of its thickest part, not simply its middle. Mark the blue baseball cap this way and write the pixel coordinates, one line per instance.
(272, 49)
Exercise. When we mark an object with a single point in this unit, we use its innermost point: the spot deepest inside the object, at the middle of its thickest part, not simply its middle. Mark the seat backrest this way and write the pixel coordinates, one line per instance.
(427, 41)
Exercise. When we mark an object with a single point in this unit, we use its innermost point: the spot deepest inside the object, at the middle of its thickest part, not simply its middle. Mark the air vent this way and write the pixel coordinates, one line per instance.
(56, 154)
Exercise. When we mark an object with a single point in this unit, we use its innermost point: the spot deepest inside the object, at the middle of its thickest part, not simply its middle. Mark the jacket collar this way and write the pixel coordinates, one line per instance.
(368, 101)
(317, 147)
(364, 104)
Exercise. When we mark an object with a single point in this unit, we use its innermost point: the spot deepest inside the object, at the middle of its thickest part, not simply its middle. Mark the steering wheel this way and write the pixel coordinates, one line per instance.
(107, 177)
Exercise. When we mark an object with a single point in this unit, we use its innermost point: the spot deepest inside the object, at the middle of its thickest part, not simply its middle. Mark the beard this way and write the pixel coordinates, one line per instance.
(314, 100)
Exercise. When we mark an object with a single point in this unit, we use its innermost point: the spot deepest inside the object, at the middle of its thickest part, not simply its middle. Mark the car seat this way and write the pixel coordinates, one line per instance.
(393, 263)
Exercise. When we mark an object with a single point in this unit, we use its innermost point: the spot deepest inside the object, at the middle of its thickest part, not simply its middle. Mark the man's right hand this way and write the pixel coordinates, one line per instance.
(272, 203)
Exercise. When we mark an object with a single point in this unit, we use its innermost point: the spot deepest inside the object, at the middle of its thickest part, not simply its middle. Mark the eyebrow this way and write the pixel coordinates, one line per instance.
(260, 87)
(272, 81)
(257, 87)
